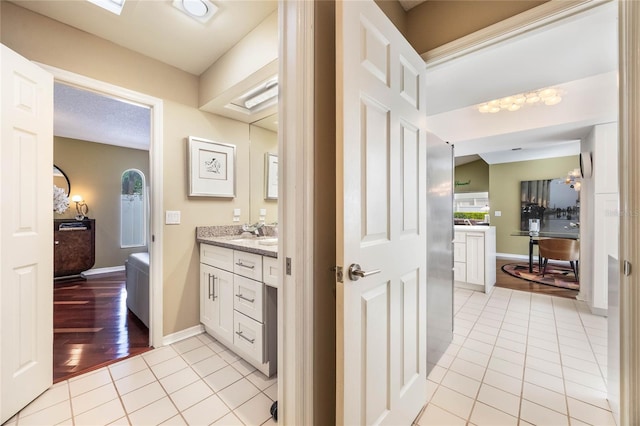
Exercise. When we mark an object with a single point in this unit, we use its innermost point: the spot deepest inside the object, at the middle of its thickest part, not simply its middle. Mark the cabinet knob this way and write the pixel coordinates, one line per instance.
(56, 242)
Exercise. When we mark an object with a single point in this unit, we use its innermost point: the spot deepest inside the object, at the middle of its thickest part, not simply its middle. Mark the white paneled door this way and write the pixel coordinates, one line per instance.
(381, 205)
(26, 232)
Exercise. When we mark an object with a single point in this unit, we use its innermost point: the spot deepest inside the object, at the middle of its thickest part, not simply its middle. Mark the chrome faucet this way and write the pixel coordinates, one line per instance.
(467, 222)
(255, 229)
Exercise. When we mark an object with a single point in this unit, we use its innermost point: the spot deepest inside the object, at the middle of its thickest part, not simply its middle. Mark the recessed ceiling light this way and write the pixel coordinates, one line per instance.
(113, 6)
(200, 10)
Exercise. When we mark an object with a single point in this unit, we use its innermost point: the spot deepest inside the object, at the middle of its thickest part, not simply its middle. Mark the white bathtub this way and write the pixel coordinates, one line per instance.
(137, 268)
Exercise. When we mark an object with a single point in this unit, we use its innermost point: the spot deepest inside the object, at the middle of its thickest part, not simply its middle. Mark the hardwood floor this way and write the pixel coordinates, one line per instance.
(507, 281)
(92, 325)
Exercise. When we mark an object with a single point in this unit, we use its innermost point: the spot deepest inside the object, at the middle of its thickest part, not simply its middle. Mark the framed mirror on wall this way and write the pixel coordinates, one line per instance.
(270, 176)
(61, 180)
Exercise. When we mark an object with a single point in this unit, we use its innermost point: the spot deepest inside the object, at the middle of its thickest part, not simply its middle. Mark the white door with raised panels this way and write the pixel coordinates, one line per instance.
(381, 205)
(26, 232)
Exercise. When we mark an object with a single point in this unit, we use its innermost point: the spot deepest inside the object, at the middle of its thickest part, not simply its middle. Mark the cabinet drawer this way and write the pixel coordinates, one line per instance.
(248, 297)
(249, 336)
(218, 257)
(270, 271)
(247, 264)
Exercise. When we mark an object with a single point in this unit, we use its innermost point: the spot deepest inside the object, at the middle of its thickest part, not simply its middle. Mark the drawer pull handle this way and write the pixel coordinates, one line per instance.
(239, 333)
(245, 266)
(210, 291)
(241, 296)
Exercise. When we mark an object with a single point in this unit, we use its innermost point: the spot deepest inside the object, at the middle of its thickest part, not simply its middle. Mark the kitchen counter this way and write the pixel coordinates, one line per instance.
(474, 228)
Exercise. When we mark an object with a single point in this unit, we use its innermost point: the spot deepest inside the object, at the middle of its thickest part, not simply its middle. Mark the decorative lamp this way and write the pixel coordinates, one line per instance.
(81, 207)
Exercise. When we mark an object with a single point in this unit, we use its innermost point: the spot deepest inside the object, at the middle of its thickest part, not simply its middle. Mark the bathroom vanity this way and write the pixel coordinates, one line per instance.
(238, 295)
(474, 257)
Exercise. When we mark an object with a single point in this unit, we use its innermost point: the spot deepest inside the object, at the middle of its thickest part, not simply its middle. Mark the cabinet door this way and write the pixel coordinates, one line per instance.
(216, 301)
(475, 258)
(460, 271)
(460, 252)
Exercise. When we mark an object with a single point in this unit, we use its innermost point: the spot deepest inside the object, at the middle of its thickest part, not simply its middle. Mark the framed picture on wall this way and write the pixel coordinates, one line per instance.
(212, 168)
(270, 176)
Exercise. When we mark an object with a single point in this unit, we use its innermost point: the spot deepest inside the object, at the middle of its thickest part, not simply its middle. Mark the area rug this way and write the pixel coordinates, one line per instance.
(556, 275)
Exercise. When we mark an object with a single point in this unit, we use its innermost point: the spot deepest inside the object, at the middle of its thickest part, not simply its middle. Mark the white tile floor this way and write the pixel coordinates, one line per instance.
(516, 358)
(520, 358)
(193, 382)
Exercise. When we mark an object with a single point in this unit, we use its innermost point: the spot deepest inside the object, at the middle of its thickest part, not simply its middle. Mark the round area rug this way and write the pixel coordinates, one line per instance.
(556, 275)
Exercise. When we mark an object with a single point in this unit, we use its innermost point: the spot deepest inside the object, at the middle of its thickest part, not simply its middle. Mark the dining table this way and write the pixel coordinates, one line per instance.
(535, 236)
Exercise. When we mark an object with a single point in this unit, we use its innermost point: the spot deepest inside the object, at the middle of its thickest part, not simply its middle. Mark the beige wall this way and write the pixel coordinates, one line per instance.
(504, 196)
(395, 13)
(262, 141)
(50, 42)
(437, 22)
(476, 173)
(324, 218)
(94, 171)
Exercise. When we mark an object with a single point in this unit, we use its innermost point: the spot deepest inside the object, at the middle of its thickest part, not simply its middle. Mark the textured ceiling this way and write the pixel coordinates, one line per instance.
(84, 115)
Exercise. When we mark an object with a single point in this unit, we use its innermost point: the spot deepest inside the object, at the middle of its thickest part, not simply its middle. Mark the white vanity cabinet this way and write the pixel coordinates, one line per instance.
(474, 257)
(236, 307)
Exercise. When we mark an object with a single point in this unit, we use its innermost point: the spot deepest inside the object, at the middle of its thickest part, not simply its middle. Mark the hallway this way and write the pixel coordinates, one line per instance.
(518, 359)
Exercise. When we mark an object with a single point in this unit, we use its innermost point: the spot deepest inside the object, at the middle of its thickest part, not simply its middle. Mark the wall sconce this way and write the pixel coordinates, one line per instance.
(81, 207)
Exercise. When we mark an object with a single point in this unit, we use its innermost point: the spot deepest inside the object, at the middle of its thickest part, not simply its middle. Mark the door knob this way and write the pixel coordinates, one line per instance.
(355, 273)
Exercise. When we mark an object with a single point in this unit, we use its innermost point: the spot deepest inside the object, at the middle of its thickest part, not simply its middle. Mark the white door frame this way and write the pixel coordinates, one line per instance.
(295, 212)
(629, 246)
(155, 183)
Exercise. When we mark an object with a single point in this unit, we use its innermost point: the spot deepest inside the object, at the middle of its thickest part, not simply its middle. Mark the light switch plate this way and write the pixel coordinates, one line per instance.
(236, 212)
(172, 217)
(497, 213)
(263, 212)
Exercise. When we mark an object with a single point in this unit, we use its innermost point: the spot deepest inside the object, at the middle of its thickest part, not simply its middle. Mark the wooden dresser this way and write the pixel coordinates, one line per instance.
(74, 248)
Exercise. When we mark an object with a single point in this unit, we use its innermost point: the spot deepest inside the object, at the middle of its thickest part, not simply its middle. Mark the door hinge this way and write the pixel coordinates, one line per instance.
(626, 268)
(339, 274)
(288, 265)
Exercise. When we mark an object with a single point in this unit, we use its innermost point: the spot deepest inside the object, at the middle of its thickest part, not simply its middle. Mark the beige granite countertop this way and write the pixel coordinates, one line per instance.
(225, 236)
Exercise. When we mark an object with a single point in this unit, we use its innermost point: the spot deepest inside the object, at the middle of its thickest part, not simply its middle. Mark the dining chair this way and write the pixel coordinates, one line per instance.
(560, 249)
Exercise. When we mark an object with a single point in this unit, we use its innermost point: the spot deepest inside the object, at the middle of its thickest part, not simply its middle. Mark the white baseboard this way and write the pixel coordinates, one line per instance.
(598, 311)
(513, 256)
(102, 271)
(182, 334)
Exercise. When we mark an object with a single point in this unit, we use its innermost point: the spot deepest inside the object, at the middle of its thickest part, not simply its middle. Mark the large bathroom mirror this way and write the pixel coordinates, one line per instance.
(61, 180)
(263, 200)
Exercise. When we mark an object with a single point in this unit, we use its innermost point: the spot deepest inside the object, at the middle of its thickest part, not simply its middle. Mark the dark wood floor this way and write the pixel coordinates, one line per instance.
(507, 281)
(92, 325)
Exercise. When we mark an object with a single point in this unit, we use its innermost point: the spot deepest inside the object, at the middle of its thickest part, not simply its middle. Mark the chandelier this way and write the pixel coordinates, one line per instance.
(573, 179)
(546, 96)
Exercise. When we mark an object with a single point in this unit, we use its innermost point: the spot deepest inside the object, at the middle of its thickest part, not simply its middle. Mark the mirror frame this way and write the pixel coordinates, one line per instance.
(64, 175)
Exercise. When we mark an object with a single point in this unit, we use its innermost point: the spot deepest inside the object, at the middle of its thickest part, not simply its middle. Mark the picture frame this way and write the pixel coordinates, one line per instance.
(212, 168)
(270, 176)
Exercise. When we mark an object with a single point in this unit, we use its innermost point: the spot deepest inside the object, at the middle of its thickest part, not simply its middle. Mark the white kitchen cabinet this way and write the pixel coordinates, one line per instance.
(236, 307)
(474, 255)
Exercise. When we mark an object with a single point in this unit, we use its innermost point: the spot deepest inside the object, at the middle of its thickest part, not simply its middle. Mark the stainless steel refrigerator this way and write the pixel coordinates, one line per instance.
(439, 248)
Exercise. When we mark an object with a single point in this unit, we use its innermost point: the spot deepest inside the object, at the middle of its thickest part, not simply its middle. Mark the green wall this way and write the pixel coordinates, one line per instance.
(504, 195)
(476, 174)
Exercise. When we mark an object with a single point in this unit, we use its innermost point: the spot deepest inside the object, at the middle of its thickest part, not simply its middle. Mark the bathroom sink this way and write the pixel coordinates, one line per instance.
(268, 242)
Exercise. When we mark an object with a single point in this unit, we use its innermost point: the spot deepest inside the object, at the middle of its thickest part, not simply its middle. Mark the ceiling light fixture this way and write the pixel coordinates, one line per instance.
(547, 96)
(269, 91)
(113, 6)
(200, 10)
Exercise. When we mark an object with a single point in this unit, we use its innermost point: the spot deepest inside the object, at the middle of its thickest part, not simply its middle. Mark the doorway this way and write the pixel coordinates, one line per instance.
(154, 190)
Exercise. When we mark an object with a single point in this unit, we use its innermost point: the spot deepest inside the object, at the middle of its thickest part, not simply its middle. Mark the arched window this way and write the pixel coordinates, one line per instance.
(133, 209)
